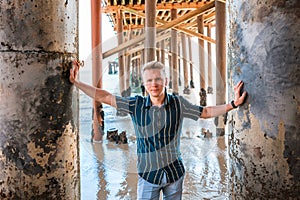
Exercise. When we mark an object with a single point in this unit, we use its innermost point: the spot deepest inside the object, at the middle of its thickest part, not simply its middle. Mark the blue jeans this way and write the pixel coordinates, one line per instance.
(171, 191)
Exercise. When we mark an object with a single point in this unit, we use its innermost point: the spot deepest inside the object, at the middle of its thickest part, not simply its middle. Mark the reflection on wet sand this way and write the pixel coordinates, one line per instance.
(204, 160)
(118, 166)
(108, 170)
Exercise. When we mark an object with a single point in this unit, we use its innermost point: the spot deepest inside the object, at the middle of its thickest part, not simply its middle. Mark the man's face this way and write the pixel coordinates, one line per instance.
(154, 81)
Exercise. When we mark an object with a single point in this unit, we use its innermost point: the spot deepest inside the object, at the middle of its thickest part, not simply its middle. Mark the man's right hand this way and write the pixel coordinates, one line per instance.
(74, 72)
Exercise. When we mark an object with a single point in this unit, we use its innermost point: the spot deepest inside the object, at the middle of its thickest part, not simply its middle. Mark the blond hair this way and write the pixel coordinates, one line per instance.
(154, 65)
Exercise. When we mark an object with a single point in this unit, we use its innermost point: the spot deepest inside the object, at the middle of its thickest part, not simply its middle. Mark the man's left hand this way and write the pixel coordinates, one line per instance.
(238, 98)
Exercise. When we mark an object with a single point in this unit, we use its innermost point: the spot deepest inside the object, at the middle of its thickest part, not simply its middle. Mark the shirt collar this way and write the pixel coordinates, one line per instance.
(148, 103)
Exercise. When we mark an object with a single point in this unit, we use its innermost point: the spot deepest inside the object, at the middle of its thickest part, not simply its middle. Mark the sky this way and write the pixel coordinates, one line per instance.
(85, 29)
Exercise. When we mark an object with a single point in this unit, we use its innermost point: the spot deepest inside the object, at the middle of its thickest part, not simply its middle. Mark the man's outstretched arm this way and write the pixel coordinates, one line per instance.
(98, 94)
(214, 111)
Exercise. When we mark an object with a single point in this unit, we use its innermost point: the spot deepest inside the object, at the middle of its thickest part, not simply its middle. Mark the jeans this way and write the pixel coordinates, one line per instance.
(171, 191)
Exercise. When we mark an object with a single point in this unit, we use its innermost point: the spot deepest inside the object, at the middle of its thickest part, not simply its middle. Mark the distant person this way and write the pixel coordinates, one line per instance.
(157, 119)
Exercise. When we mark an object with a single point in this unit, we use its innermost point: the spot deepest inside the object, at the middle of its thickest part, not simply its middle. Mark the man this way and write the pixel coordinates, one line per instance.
(157, 121)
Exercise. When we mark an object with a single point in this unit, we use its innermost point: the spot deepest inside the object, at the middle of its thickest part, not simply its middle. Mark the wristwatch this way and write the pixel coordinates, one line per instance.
(233, 105)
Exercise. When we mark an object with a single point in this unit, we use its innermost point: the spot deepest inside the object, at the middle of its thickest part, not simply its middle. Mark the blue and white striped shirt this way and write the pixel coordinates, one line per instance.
(158, 134)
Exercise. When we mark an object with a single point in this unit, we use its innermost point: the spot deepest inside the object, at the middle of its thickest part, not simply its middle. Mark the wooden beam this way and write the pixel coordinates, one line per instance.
(170, 24)
(159, 6)
(141, 46)
(189, 15)
(124, 18)
(162, 28)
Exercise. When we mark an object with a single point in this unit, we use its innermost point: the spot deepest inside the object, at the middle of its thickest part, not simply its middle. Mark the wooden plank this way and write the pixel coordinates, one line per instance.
(159, 6)
(170, 24)
(124, 17)
(162, 28)
(189, 15)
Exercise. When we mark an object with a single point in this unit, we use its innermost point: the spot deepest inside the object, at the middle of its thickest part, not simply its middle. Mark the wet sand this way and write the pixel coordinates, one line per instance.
(108, 170)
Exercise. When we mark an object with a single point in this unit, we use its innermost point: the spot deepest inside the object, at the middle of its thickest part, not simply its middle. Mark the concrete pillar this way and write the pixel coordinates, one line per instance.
(202, 93)
(263, 51)
(150, 30)
(39, 154)
(174, 54)
(220, 62)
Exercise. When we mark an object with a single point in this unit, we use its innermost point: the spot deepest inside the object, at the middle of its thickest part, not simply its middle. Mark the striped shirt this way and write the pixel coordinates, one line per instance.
(158, 134)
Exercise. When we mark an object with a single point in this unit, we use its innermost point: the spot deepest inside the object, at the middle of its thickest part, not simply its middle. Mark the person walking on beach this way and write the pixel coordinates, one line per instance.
(157, 120)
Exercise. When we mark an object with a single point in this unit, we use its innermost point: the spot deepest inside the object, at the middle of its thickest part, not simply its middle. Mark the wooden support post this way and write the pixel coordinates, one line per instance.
(121, 57)
(142, 61)
(192, 85)
(98, 115)
(209, 63)
(150, 30)
(135, 76)
(220, 62)
(179, 64)
(174, 53)
(127, 73)
(157, 51)
(170, 69)
(173, 24)
(138, 68)
(202, 93)
(162, 52)
(127, 76)
(186, 89)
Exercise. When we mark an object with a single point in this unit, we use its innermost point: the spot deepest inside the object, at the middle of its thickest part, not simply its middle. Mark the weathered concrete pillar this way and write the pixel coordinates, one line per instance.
(39, 155)
(263, 50)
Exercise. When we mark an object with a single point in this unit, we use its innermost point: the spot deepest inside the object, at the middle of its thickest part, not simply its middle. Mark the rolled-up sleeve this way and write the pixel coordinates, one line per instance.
(125, 104)
(190, 110)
